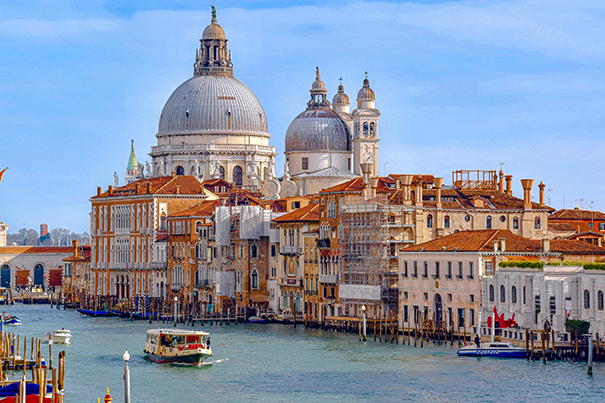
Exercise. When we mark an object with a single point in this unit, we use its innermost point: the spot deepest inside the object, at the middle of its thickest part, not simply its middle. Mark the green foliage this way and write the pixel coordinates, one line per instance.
(526, 264)
(594, 266)
(571, 325)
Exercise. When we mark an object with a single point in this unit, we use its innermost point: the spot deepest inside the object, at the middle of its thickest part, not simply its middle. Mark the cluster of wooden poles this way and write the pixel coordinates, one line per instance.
(12, 360)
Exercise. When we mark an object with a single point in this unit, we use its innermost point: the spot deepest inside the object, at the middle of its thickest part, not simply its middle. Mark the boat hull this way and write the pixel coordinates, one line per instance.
(196, 358)
(492, 352)
(93, 313)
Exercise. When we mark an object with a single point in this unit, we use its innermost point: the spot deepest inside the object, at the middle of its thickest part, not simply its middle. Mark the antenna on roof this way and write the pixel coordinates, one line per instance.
(549, 190)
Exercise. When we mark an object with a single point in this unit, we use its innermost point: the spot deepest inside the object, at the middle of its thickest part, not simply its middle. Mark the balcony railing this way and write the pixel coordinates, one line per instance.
(204, 283)
(159, 265)
(290, 250)
(328, 278)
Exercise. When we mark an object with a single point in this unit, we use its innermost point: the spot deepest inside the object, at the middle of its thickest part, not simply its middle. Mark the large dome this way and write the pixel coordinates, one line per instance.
(318, 130)
(210, 104)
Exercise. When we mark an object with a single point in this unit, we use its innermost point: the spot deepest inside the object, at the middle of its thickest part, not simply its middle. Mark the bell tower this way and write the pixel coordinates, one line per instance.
(365, 130)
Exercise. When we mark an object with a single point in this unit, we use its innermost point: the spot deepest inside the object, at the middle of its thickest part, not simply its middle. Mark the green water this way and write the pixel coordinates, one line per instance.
(277, 363)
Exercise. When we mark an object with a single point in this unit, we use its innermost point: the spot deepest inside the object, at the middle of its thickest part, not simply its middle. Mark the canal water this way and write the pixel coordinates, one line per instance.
(277, 363)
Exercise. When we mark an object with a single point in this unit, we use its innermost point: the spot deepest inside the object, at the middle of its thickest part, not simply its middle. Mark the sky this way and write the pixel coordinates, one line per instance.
(459, 84)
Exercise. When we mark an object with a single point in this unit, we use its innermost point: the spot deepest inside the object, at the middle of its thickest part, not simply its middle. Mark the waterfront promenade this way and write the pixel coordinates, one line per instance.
(277, 363)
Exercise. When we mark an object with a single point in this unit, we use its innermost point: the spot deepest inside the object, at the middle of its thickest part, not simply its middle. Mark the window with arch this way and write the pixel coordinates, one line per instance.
(254, 279)
(446, 221)
(237, 175)
(502, 294)
(429, 221)
(516, 223)
(586, 299)
(513, 294)
(491, 293)
(372, 129)
(180, 170)
(253, 251)
(538, 223)
(488, 222)
(221, 172)
(365, 129)
(600, 300)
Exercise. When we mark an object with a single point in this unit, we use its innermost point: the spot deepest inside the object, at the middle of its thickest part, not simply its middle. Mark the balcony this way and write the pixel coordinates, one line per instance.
(176, 287)
(203, 284)
(159, 265)
(328, 278)
(323, 243)
(290, 250)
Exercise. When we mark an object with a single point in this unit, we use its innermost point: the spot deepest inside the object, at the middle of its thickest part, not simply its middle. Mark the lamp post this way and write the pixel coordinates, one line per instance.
(363, 321)
(175, 310)
(126, 357)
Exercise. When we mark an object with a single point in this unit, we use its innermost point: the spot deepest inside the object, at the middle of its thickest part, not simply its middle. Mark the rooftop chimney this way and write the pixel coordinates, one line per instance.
(546, 245)
(75, 244)
(136, 188)
(406, 181)
(178, 189)
(438, 185)
(418, 183)
(110, 190)
(98, 190)
(173, 174)
(502, 244)
(501, 182)
(366, 170)
(148, 187)
(527, 185)
(542, 186)
(509, 180)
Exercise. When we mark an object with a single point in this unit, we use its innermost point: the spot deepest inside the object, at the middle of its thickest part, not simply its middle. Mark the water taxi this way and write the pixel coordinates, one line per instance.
(10, 319)
(176, 345)
(58, 336)
(493, 349)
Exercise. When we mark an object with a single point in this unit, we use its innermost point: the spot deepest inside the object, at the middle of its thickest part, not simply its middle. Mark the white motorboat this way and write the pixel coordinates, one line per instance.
(494, 349)
(58, 336)
(177, 346)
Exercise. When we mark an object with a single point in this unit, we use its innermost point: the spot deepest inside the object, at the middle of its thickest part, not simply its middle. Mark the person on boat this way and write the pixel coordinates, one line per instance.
(208, 343)
(478, 341)
(547, 326)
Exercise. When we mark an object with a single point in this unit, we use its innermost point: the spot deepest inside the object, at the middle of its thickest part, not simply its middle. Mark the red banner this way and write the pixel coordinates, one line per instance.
(22, 276)
(55, 278)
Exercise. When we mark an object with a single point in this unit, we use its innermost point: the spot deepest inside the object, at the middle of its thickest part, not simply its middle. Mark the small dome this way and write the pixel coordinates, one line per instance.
(318, 130)
(341, 98)
(213, 31)
(366, 92)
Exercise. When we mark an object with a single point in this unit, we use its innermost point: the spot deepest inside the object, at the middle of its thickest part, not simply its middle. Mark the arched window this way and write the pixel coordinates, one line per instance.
(586, 299)
(429, 221)
(516, 223)
(538, 223)
(513, 296)
(365, 129)
(446, 221)
(502, 294)
(254, 279)
(491, 293)
(298, 301)
(237, 176)
(488, 222)
(285, 299)
(180, 170)
(221, 172)
(253, 251)
(372, 129)
(600, 300)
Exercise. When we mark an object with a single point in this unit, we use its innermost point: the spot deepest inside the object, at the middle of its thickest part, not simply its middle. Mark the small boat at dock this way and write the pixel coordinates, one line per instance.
(94, 313)
(256, 319)
(177, 346)
(58, 336)
(10, 319)
(493, 349)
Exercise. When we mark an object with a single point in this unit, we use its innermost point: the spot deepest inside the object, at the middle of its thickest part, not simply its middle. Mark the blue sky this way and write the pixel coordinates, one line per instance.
(460, 84)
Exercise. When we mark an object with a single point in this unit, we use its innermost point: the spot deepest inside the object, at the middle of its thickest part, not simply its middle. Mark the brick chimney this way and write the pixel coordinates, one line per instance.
(542, 186)
(110, 190)
(178, 189)
(173, 174)
(75, 244)
(148, 187)
(509, 181)
(418, 183)
(98, 190)
(438, 185)
(527, 185)
(501, 182)
(406, 181)
(136, 188)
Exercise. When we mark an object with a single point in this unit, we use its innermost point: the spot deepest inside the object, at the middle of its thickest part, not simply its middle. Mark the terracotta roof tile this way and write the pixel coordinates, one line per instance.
(186, 184)
(202, 209)
(576, 214)
(308, 213)
(482, 241)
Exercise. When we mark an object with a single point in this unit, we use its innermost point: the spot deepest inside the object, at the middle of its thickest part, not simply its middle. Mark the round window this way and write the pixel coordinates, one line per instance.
(467, 218)
(502, 218)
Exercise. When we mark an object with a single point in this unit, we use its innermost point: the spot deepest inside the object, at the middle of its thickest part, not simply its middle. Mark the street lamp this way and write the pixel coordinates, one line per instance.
(175, 310)
(363, 321)
(126, 357)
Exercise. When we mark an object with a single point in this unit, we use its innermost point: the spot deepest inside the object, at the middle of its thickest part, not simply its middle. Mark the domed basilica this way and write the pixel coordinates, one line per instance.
(213, 126)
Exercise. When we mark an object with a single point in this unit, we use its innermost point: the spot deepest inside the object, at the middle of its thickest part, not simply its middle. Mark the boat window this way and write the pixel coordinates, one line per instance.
(193, 339)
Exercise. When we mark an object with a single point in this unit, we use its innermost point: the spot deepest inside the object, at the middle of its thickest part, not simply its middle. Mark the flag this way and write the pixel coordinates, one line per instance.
(2, 173)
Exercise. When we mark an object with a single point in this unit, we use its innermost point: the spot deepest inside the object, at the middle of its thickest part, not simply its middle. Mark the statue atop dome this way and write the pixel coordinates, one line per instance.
(213, 58)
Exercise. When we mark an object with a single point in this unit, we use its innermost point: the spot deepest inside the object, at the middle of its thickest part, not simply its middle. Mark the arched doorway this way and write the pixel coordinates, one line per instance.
(438, 309)
(122, 288)
(180, 170)
(38, 274)
(5, 276)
